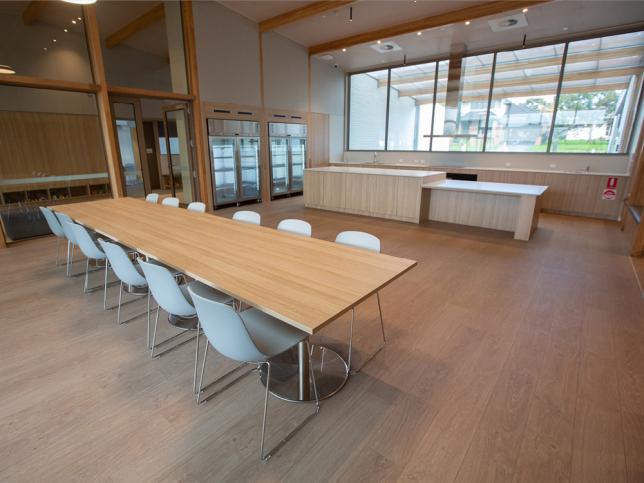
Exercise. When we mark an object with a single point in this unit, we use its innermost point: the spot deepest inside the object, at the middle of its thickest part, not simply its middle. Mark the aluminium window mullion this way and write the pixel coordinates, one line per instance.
(489, 103)
(556, 105)
(431, 128)
(387, 109)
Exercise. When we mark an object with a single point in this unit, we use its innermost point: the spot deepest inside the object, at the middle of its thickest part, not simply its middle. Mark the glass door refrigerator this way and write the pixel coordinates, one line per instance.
(234, 154)
(288, 144)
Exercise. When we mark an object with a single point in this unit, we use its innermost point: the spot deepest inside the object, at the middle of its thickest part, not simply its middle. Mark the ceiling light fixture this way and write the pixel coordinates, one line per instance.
(5, 69)
(344, 50)
(524, 10)
(74, 22)
(80, 2)
(565, 28)
(79, 18)
(379, 42)
(467, 22)
(419, 33)
(65, 30)
(45, 49)
(54, 40)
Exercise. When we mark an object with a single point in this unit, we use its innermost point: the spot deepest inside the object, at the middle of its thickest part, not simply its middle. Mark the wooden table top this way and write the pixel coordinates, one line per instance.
(302, 281)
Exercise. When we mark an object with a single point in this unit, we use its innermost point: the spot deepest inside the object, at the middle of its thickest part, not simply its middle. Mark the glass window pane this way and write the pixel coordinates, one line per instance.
(411, 99)
(467, 125)
(525, 87)
(52, 152)
(598, 92)
(48, 43)
(368, 110)
(152, 57)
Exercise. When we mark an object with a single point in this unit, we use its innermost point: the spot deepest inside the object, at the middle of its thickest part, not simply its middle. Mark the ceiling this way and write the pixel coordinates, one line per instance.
(551, 20)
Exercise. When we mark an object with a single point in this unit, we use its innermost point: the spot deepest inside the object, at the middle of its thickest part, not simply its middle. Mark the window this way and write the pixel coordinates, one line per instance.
(599, 89)
(411, 97)
(464, 127)
(505, 102)
(368, 110)
(523, 99)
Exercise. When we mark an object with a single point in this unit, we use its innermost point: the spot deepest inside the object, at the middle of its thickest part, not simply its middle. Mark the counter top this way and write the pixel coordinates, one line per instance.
(485, 187)
(405, 173)
(484, 168)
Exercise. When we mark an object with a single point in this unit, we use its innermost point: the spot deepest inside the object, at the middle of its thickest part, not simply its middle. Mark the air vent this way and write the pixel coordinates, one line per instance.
(385, 47)
(245, 113)
(326, 57)
(226, 111)
(508, 23)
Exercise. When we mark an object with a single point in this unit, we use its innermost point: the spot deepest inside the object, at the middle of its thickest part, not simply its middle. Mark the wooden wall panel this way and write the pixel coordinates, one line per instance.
(319, 140)
(49, 144)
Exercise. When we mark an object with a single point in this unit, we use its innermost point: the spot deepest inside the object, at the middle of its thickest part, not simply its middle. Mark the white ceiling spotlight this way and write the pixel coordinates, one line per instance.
(385, 46)
(6, 69)
(80, 2)
(507, 23)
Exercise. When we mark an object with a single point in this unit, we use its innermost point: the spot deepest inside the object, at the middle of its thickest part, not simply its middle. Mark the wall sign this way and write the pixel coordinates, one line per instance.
(611, 182)
(609, 194)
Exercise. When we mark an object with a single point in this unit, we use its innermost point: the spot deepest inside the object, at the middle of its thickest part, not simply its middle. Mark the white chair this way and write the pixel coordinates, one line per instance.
(176, 301)
(54, 226)
(365, 241)
(169, 201)
(251, 337)
(152, 198)
(297, 227)
(92, 252)
(197, 206)
(130, 277)
(248, 217)
(71, 240)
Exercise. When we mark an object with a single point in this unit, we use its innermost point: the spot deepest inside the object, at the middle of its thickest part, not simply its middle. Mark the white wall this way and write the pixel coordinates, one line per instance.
(286, 81)
(327, 96)
(227, 48)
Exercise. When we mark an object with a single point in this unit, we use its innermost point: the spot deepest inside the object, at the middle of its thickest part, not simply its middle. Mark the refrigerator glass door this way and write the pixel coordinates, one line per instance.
(279, 165)
(224, 168)
(298, 157)
(249, 168)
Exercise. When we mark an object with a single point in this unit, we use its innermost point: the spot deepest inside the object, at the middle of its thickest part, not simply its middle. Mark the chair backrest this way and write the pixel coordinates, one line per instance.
(197, 206)
(52, 221)
(174, 202)
(298, 227)
(166, 291)
(152, 198)
(248, 217)
(122, 265)
(88, 246)
(359, 239)
(225, 329)
(65, 221)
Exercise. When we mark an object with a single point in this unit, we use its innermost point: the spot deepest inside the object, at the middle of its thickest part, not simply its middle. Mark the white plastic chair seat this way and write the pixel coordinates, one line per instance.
(170, 201)
(205, 291)
(270, 335)
(152, 198)
(246, 216)
(197, 206)
(297, 227)
(359, 239)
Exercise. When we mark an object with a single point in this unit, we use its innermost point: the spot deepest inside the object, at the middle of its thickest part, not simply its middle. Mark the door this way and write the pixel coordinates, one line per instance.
(249, 168)
(223, 150)
(298, 161)
(176, 121)
(128, 128)
(279, 165)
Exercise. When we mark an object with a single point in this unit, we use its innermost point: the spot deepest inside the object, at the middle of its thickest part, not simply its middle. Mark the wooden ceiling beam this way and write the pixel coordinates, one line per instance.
(31, 11)
(448, 18)
(143, 21)
(301, 13)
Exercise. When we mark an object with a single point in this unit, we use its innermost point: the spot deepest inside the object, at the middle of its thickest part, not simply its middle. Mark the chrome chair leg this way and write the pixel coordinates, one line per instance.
(373, 354)
(353, 316)
(268, 383)
(203, 367)
(382, 324)
(107, 264)
(118, 312)
(154, 333)
(201, 389)
(148, 338)
(57, 249)
(194, 377)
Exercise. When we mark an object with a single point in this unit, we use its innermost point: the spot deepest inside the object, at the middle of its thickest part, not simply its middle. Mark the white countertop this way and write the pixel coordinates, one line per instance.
(488, 168)
(405, 173)
(485, 187)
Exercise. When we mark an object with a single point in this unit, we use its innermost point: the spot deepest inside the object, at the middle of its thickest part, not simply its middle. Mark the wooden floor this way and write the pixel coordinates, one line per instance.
(506, 361)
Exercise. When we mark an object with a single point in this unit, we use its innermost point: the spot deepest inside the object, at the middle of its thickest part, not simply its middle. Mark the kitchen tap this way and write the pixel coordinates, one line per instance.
(375, 157)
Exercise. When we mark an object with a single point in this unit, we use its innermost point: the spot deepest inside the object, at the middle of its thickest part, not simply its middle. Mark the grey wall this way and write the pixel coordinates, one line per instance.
(286, 81)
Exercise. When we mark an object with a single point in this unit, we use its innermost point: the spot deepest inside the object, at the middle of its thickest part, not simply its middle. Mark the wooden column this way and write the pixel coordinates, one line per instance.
(198, 118)
(103, 101)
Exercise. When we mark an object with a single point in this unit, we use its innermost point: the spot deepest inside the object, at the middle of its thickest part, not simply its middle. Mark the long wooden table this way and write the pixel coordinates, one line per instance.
(304, 282)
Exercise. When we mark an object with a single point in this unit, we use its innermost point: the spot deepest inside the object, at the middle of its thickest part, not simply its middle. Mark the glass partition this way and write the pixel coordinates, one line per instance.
(44, 39)
(142, 44)
(52, 152)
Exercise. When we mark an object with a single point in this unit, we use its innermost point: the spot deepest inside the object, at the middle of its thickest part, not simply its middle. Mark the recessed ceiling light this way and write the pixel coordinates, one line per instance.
(379, 42)
(80, 2)
(45, 49)
(565, 28)
(344, 50)
(54, 40)
(74, 22)
(65, 30)
(524, 10)
(467, 22)
(419, 33)
(5, 69)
